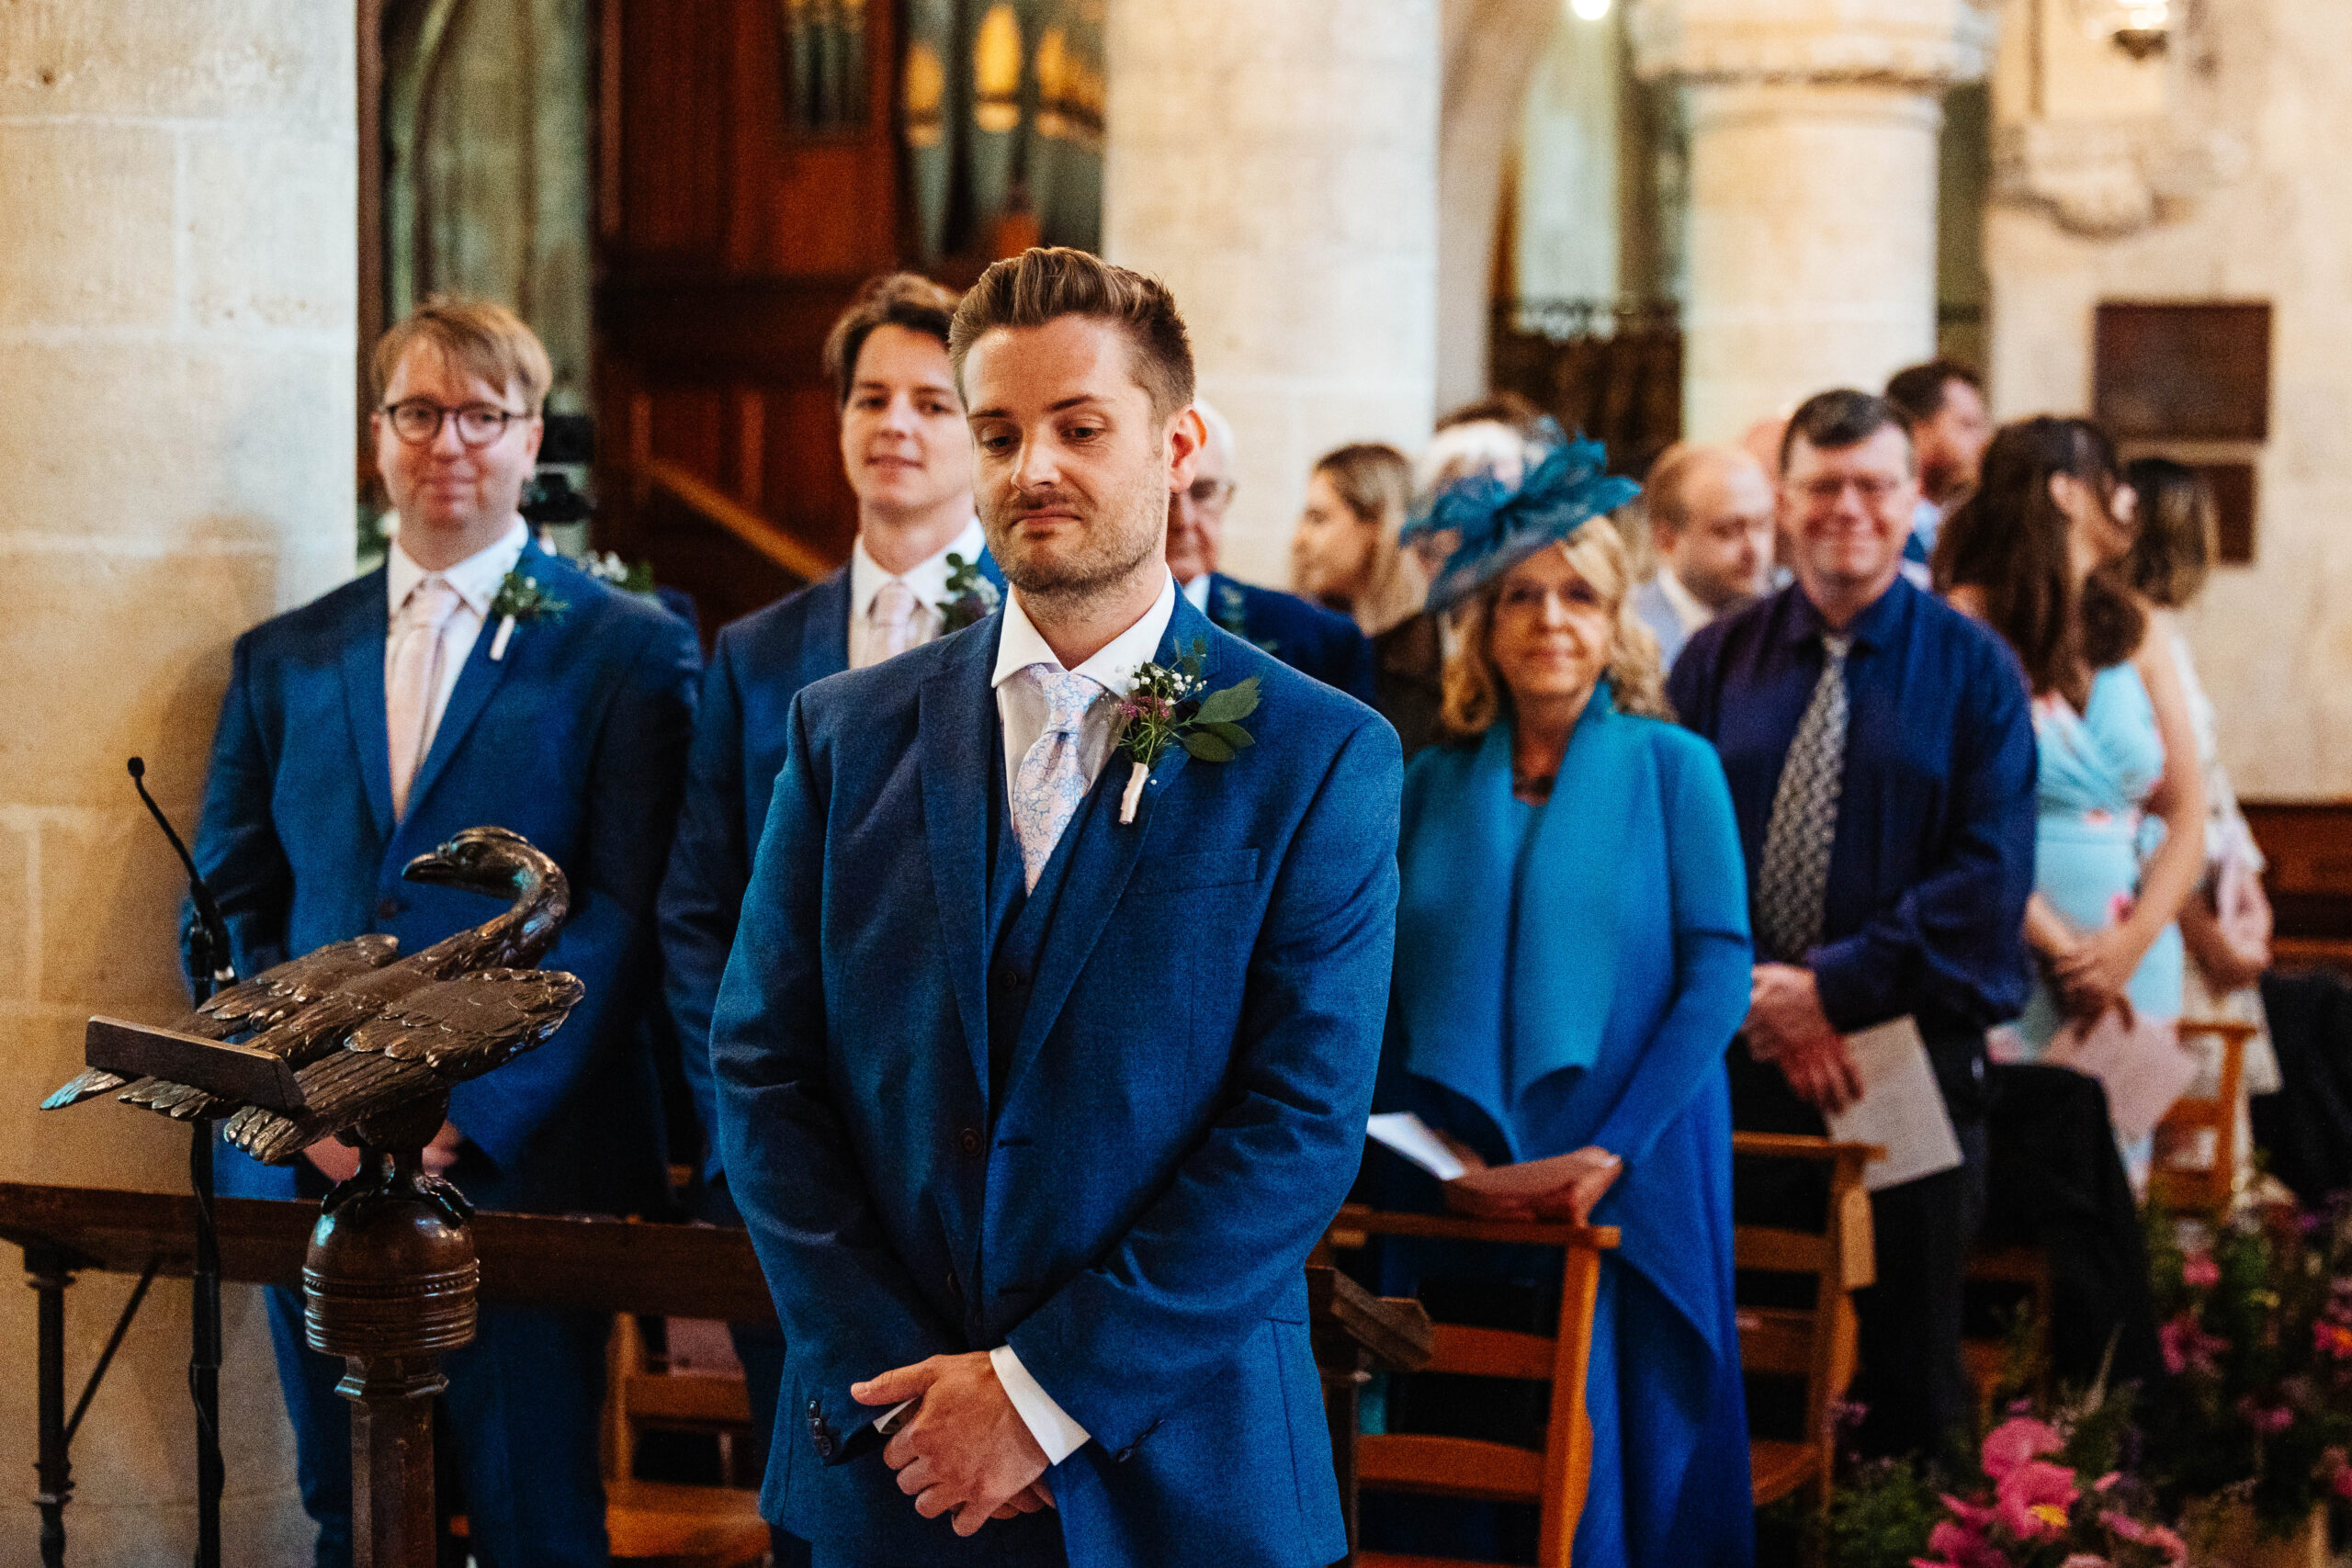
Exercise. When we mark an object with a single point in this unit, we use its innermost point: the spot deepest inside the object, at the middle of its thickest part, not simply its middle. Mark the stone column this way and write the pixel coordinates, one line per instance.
(178, 257)
(1813, 189)
(1276, 165)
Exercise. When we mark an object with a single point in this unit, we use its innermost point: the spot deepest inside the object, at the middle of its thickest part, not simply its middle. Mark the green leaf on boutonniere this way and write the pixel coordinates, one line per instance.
(1165, 704)
(1236, 701)
(971, 597)
(521, 598)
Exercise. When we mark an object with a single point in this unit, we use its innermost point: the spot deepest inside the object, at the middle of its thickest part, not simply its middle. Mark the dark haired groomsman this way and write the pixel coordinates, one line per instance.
(1880, 756)
(1323, 643)
(909, 457)
(365, 728)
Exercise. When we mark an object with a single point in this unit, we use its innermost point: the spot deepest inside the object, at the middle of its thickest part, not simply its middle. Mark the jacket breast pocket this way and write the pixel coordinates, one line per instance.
(1216, 868)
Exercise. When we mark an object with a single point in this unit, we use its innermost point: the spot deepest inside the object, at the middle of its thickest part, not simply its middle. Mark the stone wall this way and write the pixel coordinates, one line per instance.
(176, 298)
(1277, 167)
(2213, 173)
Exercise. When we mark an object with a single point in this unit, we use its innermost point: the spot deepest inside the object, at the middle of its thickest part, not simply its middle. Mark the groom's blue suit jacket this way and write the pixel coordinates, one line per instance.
(1181, 1112)
(576, 739)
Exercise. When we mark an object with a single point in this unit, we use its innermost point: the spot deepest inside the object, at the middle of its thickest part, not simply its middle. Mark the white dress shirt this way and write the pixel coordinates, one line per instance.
(1197, 590)
(928, 581)
(1021, 714)
(476, 579)
(1687, 607)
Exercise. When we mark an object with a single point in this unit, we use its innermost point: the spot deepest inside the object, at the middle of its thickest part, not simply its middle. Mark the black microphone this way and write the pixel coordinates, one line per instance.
(214, 967)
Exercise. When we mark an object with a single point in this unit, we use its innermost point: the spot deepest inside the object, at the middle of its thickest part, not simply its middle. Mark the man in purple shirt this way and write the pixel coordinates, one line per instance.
(1881, 754)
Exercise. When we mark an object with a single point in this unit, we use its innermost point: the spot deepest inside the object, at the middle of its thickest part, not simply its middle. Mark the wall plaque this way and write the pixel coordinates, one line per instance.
(2183, 372)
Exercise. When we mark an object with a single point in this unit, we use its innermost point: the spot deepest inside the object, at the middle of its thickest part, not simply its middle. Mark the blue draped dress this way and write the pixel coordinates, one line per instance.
(1569, 975)
(2099, 767)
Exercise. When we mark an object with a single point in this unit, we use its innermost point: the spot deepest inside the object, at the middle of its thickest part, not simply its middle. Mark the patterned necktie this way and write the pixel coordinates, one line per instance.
(893, 614)
(1794, 879)
(1052, 780)
(413, 685)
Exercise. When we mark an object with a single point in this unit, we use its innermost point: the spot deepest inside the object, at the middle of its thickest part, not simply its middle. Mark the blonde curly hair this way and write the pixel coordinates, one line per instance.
(1473, 696)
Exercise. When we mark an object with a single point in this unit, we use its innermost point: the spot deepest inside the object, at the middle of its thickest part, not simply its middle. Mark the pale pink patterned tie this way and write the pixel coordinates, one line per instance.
(414, 680)
(1052, 780)
(893, 613)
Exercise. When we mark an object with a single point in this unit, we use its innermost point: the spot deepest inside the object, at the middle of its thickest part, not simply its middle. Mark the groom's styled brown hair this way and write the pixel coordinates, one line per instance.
(1042, 285)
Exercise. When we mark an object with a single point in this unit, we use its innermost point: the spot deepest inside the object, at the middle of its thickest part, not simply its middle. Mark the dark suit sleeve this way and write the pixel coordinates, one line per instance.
(633, 785)
(703, 891)
(1689, 684)
(848, 1308)
(236, 841)
(1956, 937)
(1200, 1269)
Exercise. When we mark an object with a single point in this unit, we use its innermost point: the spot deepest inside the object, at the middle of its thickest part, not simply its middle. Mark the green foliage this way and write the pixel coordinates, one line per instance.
(971, 597)
(523, 598)
(1167, 705)
(1880, 1518)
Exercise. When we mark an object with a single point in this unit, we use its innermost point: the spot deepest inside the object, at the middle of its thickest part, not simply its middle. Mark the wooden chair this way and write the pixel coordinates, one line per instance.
(1554, 1478)
(1815, 1343)
(2021, 1271)
(660, 1524)
(2206, 1190)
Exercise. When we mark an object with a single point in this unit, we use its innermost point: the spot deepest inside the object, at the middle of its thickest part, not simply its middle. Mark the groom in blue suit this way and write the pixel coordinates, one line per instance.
(909, 458)
(367, 728)
(1040, 1071)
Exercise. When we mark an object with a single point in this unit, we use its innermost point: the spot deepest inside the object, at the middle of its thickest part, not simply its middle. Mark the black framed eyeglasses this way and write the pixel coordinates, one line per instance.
(417, 420)
(1210, 492)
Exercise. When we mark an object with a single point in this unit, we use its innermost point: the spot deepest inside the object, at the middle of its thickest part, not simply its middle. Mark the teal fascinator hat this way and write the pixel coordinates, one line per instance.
(1494, 526)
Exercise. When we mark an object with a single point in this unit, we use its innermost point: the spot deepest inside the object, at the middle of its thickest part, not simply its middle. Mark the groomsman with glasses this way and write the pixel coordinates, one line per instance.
(367, 728)
(1044, 1052)
(1881, 754)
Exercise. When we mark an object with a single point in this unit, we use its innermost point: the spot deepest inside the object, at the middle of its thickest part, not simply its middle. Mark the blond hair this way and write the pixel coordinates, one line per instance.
(1375, 483)
(480, 337)
(1474, 695)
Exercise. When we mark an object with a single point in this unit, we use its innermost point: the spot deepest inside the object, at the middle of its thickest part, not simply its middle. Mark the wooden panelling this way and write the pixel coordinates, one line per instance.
(2183, 372)
(729, 242)
(2309, 846)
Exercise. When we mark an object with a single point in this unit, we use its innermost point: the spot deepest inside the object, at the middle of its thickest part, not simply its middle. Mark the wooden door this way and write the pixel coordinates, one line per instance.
(748, 181)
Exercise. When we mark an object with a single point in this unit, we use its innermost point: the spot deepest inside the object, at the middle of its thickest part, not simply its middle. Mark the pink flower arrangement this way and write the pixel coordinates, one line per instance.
(2199, 1272)
(2186, 1345)
(2043, 1513)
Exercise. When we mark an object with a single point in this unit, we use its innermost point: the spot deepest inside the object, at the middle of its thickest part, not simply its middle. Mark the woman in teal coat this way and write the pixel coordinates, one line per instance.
(1572, 960)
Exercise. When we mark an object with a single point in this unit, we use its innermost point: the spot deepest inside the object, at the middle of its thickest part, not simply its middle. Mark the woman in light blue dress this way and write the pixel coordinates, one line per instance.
(2032, 553)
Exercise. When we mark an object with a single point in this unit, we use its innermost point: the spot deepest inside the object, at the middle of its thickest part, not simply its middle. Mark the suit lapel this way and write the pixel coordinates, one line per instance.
(956, 725)
(824, 636)
(481, 677)
(1104, 857)
(363, 698)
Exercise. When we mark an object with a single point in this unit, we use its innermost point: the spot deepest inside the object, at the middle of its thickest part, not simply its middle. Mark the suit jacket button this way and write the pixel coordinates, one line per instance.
(969, 1140)
(816, 1407)
(1011, 980)
(823, 1445)
(387, 908)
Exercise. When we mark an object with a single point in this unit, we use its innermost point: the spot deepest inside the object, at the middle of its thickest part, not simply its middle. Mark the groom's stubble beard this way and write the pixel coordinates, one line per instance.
(1124, 532)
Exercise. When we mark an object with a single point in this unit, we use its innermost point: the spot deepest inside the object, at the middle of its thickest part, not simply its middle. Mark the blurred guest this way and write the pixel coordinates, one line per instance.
(2031, 554)
(1880, 752)
(1346, 556)
(1762, 442)
(2227, 927)
(1572, 959)
(365, 728)
(907, 453)
(1305, 636)
(1711, 513)
(1941, 403)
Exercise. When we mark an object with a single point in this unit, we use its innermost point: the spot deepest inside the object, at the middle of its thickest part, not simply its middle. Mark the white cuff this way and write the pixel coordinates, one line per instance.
(1048, 1423)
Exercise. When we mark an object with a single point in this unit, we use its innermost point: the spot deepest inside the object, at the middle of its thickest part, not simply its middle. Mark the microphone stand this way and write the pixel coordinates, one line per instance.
(208, 968)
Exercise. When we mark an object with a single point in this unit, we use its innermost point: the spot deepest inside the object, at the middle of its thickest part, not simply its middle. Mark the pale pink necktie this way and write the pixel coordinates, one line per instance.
(413, 680)
(893, 614)
(1052, 780)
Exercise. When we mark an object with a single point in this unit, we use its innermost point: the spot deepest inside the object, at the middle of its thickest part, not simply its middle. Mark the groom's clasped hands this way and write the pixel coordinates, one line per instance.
(964, 1448)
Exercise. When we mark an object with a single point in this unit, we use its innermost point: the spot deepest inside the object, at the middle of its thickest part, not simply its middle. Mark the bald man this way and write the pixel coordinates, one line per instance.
(1711, 511)
(1308, 638)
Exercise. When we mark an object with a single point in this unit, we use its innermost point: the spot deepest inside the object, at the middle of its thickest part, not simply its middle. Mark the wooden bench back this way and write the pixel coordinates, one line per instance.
(1555, 1479)
(2207, 1190)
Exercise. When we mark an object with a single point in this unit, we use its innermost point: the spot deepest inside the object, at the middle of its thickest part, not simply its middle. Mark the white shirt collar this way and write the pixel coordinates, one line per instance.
(476, 577)
(928, 579)
(1020, 644)
(1687, 607)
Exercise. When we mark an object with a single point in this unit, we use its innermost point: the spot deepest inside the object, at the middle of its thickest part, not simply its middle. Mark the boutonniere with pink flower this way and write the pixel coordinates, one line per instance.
(1164, 705)
(971, 597)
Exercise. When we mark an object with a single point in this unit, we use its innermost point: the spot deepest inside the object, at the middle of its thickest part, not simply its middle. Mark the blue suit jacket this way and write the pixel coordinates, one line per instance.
(1183, 1108)
(758, 666)
(574, 740)
(1323, 643)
